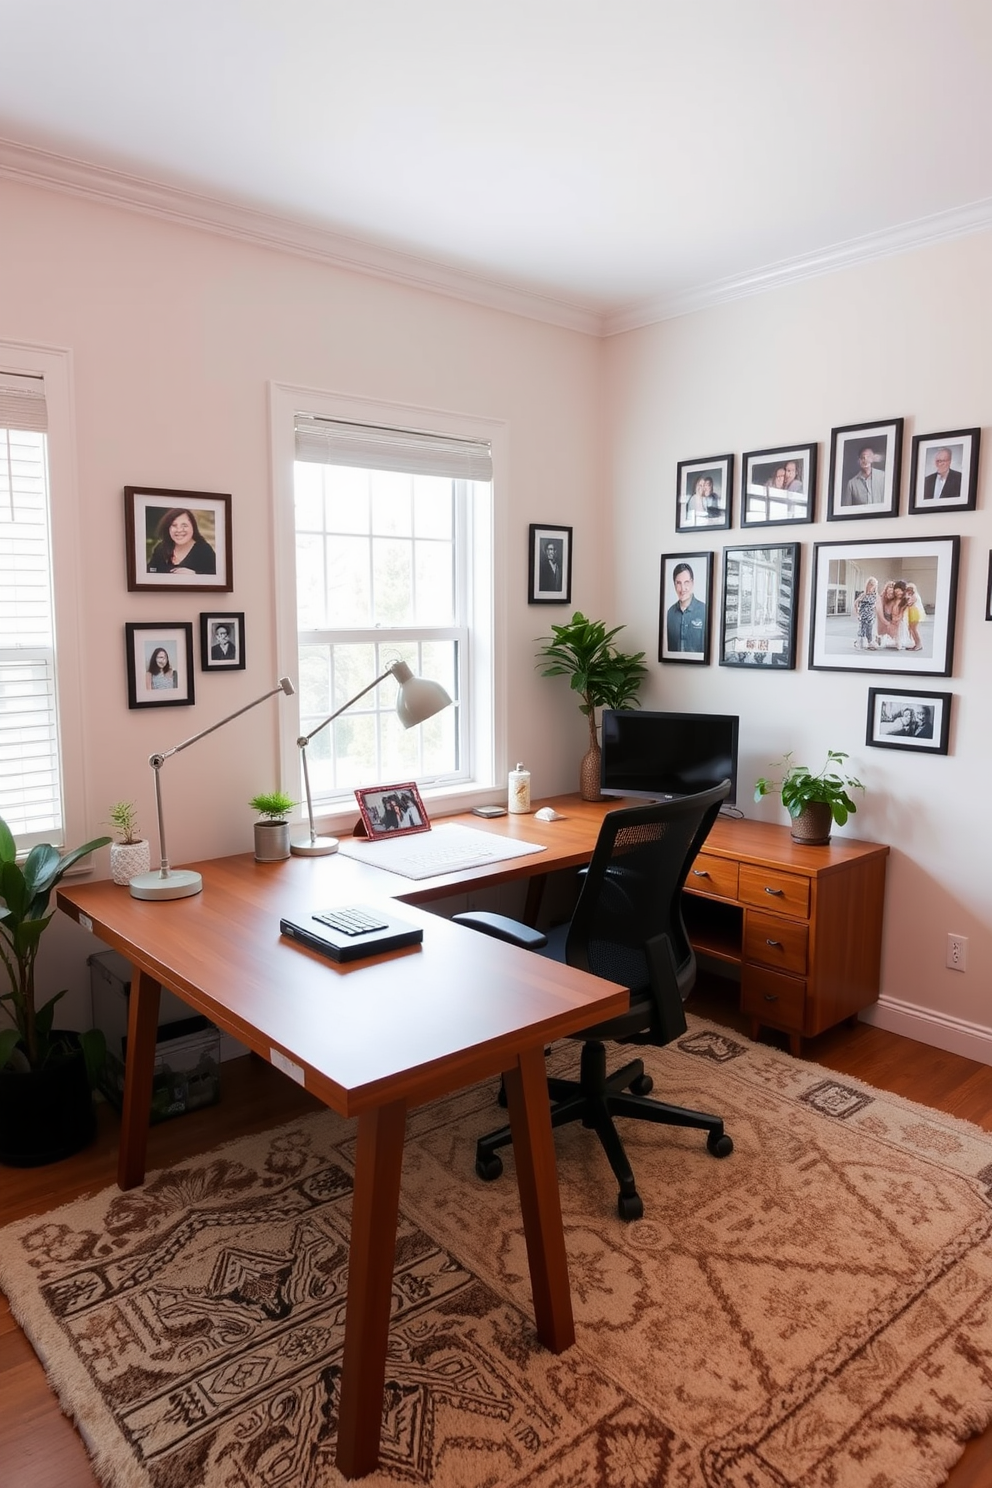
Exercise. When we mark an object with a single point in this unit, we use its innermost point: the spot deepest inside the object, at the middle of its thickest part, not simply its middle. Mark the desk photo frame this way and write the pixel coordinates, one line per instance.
(392, 810)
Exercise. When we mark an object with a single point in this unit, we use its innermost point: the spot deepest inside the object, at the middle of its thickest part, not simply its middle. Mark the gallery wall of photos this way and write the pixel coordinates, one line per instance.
(876, 604)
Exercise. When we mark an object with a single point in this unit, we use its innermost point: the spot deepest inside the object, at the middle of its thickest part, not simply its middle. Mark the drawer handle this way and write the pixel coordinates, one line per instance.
(778, 892)
(771, 997)
(773, 942)
(699, 873)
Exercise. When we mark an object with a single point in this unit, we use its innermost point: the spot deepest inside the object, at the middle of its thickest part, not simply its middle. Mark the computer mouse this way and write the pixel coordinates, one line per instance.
(547, 813)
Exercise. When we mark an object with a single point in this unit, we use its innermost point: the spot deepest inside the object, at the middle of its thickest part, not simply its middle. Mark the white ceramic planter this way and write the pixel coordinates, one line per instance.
(128, 859)
(271, 841)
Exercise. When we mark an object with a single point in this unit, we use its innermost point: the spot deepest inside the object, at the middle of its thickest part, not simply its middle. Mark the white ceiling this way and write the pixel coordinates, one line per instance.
(595, 162)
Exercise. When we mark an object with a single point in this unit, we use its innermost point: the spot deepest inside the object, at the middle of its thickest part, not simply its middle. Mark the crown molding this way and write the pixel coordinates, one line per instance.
(36, 167)
(907, 237)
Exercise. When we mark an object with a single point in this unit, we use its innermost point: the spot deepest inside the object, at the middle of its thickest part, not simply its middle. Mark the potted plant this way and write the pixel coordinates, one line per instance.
(812, 800)
(602, 675)
(46, 1105)
(130, 854)
(272, 832)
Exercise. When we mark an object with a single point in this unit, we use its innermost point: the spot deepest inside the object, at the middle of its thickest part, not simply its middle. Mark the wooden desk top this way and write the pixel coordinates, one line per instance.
(416, 1022)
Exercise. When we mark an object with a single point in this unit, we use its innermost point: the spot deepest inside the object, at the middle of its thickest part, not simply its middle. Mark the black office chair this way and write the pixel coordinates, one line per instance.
(627, 927)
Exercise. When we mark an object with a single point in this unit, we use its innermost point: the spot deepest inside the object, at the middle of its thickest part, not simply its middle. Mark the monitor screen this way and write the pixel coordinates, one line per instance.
(667, 754)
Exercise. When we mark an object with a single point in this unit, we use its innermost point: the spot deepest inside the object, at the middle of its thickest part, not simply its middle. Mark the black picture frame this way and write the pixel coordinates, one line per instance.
(374, 803)
(142, 640)
(778, 486)
(988, 592)
(919, 721)
(698, 508)
(147, 511)
(543, 585)
(672, 632)
(221, 652)
(959, 491)
(760, 607)
(849, 486)
(839, 636)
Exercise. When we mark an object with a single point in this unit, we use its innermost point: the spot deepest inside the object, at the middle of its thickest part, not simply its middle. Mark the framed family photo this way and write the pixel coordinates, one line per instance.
(550, 564)
(392, 810)
(159, 659)
(865, 465)
(760, 607)
(177, 539)
(778, 485)
(884, 606)
(704, 493)
(222, 642)
(686, 602)
(944, 472)
(909, 720)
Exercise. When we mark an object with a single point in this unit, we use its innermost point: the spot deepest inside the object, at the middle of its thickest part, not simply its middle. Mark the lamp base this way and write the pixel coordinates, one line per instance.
(318, 848)
(180, 883)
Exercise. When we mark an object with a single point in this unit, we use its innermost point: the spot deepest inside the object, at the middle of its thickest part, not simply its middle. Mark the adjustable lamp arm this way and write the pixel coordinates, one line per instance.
(304, 739)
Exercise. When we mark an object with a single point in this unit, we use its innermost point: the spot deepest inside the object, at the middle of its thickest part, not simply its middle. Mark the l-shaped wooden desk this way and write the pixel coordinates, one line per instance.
(375, 1038)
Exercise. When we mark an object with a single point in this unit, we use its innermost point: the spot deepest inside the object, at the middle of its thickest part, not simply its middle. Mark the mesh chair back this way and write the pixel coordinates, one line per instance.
(631, 898)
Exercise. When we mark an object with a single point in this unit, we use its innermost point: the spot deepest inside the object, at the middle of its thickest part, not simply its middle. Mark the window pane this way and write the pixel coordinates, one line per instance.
(392, 570)
(435, 583)
(433, 507)
(347, 497)
(349, 593)
(392, 503)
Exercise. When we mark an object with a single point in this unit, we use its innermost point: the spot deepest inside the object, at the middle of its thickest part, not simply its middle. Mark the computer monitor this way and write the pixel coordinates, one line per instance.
(660, 755)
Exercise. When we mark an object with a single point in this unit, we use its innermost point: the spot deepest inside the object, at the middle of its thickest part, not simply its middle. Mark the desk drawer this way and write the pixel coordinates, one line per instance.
(778, 1001)
(775, 942)
(766, 888)
(712, 875)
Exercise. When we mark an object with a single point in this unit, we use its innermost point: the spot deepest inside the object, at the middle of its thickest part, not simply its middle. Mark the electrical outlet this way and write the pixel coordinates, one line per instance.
(957, 952)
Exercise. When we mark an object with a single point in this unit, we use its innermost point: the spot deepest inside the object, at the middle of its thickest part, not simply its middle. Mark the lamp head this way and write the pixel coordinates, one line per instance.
(417, 698)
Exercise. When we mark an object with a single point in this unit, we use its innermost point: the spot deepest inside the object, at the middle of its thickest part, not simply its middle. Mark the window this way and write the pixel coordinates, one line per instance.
(393, 558)
(35, 780)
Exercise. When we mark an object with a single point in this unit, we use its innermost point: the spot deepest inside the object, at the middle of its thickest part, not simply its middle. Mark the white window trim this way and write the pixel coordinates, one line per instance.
(54, 364)
(487, 704)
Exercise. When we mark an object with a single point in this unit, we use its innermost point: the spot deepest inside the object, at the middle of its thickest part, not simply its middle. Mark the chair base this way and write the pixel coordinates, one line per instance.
(595, 1100)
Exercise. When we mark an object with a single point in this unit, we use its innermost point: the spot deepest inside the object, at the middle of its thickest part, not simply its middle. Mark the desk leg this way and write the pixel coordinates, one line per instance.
(537, 1178)
(139, 1067)
(372, 1258)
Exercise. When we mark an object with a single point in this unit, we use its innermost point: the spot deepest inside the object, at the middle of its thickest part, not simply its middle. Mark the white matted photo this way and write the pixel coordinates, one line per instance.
(177, 539)
(686, 603)
(909, 720)
(159, 658)
(884, 606)
(865, 466)
(704, 492)
(944, 474)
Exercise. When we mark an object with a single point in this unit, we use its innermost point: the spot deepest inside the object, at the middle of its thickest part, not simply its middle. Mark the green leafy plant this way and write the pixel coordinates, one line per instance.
(272, 804)
(602, 675)
(799, 786)
(26, 889)
(123, 817)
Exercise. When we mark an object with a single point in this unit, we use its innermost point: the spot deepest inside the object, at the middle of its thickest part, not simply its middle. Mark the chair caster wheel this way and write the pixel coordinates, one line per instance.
(720, 1146)
(629, 1206)
(643, 1085)
(488, 1168)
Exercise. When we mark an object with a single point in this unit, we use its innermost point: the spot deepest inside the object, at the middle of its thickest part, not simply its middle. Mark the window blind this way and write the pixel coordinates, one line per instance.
(30, 777)
(332, 442)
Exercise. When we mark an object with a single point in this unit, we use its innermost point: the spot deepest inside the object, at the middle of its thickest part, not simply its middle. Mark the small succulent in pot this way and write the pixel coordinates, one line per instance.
(272, 805)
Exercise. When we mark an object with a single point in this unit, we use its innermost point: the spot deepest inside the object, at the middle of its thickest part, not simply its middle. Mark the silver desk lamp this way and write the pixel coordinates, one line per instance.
(180, 883)
(417, 699)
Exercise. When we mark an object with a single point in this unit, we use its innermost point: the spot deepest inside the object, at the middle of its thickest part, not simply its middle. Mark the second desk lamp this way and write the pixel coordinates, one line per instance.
(417, 699)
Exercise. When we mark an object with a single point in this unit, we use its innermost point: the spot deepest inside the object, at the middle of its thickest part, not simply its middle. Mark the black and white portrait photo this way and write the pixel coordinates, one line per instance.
(222, 642)
(550, 564)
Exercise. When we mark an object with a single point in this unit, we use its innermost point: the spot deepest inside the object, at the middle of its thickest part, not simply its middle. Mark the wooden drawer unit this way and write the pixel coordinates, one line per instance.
(783, 893)
(770, 998)
(712, 875)
(807, 937)
(779, 943)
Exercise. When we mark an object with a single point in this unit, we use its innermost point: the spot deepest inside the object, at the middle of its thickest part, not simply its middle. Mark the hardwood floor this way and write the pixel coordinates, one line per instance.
(40, 1448)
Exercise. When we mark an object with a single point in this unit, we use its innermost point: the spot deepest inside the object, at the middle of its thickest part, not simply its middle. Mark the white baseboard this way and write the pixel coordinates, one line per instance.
(970, 1040)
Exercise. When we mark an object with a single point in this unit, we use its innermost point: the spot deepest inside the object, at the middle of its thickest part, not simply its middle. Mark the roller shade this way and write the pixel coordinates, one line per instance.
(331, 442)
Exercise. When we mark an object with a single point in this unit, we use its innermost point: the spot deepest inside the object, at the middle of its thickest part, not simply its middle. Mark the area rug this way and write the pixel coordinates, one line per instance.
(814, 1311)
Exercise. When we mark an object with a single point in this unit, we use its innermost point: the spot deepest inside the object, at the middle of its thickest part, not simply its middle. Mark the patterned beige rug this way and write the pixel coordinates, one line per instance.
(815, 1310)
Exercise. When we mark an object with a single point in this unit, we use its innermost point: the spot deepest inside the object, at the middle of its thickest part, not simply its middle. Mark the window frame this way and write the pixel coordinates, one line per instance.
(55, 366)
(484, 697)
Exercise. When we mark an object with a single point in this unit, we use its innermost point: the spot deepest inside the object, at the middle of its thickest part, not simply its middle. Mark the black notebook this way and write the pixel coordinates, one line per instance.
(347, 932)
